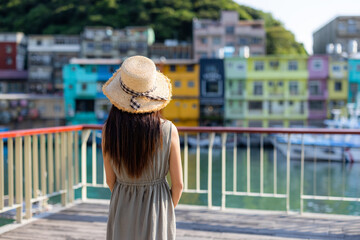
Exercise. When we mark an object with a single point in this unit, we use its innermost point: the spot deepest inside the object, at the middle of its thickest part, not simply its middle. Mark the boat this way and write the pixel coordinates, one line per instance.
(328, 147)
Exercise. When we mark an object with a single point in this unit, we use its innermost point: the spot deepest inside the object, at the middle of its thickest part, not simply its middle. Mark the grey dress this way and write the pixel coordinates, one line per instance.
(142, 208)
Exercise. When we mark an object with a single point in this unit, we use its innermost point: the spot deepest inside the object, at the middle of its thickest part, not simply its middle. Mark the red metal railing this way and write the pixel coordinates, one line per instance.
(20, 133)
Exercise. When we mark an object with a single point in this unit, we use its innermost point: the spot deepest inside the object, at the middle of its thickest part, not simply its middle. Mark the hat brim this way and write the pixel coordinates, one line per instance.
(120, 99)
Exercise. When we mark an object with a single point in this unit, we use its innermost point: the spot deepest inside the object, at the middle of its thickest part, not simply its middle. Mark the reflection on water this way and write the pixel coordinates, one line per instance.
(321, 178)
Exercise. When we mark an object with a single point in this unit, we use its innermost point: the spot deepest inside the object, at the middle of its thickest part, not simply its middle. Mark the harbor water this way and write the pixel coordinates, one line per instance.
(320, 178)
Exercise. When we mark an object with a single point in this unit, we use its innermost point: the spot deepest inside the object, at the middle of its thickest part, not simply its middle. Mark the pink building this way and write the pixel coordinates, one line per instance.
(228, 36)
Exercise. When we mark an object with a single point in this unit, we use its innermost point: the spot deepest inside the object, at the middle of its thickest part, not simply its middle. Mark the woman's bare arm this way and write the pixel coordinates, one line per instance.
(109, 172)
(175, 167)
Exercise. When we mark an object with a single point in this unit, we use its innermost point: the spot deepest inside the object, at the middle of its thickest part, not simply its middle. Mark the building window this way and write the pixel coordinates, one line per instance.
(230, 30)
(93, 69)
(351, 26)
(243, 41)
(194, 106)
(270, 83)
(177, 104)
(255, 105)
(203, 40)
(259, 66)
(338, 86)
(280, 83)
(38, 42)
(316, 105)
(212, 87)
(240, 66)
(258, 88)
(336, 68)
(240, 88)
(107, 47)
(293, 88)
(291, 103)
(293, 65)
(314, 88)
(358, 67)
(90, 46)
(172, 68)
(9, 61)
(203, 54)
(190, 68)
(317, 64)
(85, 105)
(8, 49)
(191, 84)
(256, 40)
(216, 40)
(177, 83)
(274, 65)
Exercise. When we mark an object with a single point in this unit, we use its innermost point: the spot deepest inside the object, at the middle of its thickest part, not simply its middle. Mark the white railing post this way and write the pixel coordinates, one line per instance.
(235, 164)
(1, 173)
(76, 153)
(50, 153)
(288, 174)
(57, 161)
(35, 165)
(18, 178)
(186, 159)
(211, 143)
(248, 172)
(275, 167)
(223, 170)
(11, 171)
(261, 163)
(198, 161)
(84, 138)
(27, 170)
(94, 157)
(70, 167)
(63, 169)
(43, 173)
(302, 175)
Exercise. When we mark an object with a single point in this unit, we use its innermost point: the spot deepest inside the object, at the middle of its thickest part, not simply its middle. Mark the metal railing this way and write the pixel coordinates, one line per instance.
(55, 166)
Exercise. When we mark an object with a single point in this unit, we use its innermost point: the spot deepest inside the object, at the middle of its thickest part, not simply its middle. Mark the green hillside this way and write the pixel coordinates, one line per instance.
(169, 18)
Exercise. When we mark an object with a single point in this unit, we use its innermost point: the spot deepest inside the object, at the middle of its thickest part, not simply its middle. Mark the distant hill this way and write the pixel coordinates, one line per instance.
(169, 18)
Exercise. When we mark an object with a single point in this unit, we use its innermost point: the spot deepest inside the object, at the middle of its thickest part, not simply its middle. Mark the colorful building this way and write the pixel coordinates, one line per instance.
(83, 79)
(235, 94)
(47, 54)
(318, 67)
(13, 76)
(211, 92)
(337, 84)
(211, 38)
(276, 91)
(183, 110)
(106, 42)
(354, 80)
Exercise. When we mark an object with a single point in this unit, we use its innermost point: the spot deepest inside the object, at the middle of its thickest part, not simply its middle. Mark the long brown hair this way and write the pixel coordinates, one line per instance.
(130, 140)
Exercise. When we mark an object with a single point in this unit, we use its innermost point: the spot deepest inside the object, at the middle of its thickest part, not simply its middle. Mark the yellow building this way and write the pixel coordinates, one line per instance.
(183, 110)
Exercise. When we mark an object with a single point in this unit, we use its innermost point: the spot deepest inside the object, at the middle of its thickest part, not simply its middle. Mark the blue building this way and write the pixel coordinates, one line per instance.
(354, 80)
(211, 92)
(83, 98)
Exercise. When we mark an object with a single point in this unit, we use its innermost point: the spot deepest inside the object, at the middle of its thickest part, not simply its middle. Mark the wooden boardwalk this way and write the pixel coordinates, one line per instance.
(88, 221)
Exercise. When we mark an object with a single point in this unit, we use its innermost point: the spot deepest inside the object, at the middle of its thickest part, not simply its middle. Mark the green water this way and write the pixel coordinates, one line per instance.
(322, 178)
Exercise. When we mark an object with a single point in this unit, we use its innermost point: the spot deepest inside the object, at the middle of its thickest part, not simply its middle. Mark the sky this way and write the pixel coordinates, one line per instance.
(303, 17)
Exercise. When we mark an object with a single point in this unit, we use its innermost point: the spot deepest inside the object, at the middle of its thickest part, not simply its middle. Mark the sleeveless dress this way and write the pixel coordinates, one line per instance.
(142, 208)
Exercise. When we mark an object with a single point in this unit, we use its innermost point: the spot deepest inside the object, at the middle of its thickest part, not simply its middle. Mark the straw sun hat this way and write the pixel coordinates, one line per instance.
(137, 87)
